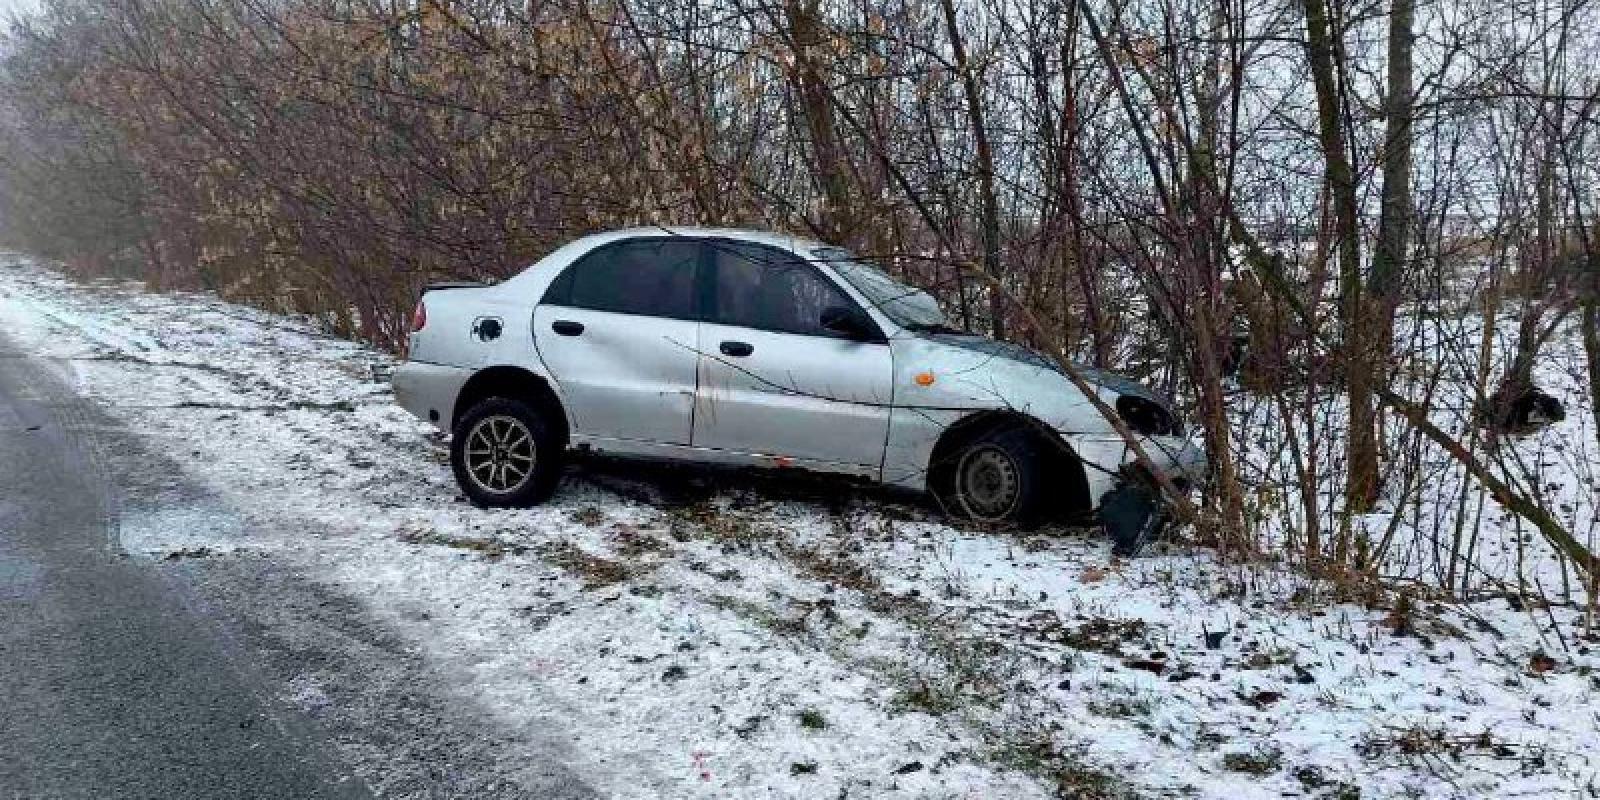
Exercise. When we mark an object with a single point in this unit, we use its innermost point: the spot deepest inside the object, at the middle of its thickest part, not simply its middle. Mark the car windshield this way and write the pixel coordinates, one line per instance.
(909, 307)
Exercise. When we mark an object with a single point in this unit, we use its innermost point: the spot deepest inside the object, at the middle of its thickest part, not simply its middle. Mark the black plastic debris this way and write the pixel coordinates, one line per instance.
(1518, 411)
(1133, 516)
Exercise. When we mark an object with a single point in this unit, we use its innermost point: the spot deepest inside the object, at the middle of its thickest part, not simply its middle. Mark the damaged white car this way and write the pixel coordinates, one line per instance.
(752, 349)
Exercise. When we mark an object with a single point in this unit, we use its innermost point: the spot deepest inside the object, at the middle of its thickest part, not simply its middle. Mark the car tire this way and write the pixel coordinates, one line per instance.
(997, 479)
(496, 438)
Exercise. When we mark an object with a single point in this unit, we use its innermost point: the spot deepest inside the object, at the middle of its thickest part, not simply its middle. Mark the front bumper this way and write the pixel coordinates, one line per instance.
(1106, 456)
(429, 390)
(1130, 509)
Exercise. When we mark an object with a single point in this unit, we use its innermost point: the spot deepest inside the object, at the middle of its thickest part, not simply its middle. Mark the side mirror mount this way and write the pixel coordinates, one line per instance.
(851, 323)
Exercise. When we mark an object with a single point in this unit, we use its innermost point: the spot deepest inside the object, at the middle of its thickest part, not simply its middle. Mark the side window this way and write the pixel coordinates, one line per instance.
(760, 287)
(652, 277)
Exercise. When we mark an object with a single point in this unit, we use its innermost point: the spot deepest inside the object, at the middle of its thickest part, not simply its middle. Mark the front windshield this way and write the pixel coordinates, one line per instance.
(908, 306)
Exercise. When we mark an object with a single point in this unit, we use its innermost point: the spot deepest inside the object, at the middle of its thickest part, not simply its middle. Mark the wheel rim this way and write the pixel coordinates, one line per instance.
(988, 484)
(499, 454)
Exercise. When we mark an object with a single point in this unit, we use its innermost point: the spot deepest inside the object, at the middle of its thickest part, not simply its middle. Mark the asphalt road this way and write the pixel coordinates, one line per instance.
(111, 684)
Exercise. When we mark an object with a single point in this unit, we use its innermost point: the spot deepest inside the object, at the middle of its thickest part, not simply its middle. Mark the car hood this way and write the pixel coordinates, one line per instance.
(1109, 382)
(947, 372)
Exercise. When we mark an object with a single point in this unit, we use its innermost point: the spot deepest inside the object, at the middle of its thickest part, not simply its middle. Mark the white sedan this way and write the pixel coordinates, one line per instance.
(744, 348)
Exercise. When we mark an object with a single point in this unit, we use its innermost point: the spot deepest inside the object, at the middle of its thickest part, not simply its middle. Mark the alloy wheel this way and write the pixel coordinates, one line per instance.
(499, 454)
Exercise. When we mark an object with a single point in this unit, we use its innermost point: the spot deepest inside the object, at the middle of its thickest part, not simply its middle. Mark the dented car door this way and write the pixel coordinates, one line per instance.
(617, 330)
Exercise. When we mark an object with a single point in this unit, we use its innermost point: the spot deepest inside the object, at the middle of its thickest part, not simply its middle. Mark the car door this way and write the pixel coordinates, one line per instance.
(773, 382)
(618, 330)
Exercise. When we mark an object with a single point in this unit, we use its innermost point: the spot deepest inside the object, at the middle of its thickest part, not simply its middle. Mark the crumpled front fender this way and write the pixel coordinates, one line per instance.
(1105, 456)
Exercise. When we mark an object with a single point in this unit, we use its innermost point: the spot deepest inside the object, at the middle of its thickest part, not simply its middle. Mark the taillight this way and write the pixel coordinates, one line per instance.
(419, 317)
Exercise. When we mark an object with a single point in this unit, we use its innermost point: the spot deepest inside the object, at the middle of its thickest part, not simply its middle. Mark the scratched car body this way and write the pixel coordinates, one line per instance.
(752, 349)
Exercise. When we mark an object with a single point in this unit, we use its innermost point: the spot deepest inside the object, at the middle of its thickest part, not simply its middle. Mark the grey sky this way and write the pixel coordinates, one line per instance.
(9, 6)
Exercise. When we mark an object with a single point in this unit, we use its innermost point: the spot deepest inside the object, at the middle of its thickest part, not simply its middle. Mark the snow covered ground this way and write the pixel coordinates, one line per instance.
(753, 639)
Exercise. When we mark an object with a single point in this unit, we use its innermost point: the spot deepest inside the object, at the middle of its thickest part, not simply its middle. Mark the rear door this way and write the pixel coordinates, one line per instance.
(618, 331)
(773, 383)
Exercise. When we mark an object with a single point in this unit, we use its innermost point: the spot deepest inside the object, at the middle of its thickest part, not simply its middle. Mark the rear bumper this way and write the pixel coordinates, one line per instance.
(429, 390)
(1105, 456)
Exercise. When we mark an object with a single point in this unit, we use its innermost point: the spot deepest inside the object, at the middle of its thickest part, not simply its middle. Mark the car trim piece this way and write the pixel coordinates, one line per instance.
(635, 448)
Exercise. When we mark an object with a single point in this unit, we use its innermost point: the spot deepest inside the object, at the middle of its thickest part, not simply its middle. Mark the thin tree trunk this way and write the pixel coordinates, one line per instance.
(1208, 308)
(1361, 444)
(1072, 191)
(1591, 346)
(1392, 256)
(990, 213)
(838, 221)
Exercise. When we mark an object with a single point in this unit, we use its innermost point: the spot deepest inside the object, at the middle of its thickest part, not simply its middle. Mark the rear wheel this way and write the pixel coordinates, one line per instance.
(997, 478)
(504, 454)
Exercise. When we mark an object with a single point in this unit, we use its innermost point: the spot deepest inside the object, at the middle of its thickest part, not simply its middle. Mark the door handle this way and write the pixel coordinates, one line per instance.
(737, 349)
(567, 327)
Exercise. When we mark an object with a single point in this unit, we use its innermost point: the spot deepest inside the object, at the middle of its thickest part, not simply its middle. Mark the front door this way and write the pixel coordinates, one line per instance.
(774, 385)
(618, 332)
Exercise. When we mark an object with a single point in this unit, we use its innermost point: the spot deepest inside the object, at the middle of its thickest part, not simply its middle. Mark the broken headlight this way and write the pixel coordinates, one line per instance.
(1148, 417)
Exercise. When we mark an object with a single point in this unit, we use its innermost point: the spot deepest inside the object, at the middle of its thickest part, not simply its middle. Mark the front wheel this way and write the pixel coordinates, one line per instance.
(996, 479)
(504, 454)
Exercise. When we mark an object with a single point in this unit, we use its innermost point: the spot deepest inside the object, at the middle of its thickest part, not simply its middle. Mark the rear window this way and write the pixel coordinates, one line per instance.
(652, 277)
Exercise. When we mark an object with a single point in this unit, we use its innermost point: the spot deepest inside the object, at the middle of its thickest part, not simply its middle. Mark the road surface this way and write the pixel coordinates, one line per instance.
(110, 684)
(122, 676)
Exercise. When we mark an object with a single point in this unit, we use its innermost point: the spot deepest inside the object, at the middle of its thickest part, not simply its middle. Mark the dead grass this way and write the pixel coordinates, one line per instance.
(1259, 762)
(491, 549)
(1124, 705)
(927, 696)
(706, 521)
(632, 543)
(812, 720)
(1104, 635)
(833, 566)
(1426, 741)
(1036, 751)
(1316, 781)
(791, 624)
(595, 571)
(588, 516)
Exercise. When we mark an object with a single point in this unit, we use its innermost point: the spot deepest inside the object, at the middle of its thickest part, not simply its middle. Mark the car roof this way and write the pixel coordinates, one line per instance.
(535, 279)
(785, 241)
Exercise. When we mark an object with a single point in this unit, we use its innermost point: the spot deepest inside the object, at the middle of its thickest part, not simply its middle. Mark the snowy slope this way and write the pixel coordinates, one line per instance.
(755, 639)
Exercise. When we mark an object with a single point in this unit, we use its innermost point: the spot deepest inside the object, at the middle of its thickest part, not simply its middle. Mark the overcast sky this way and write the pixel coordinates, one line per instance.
(8, 6)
